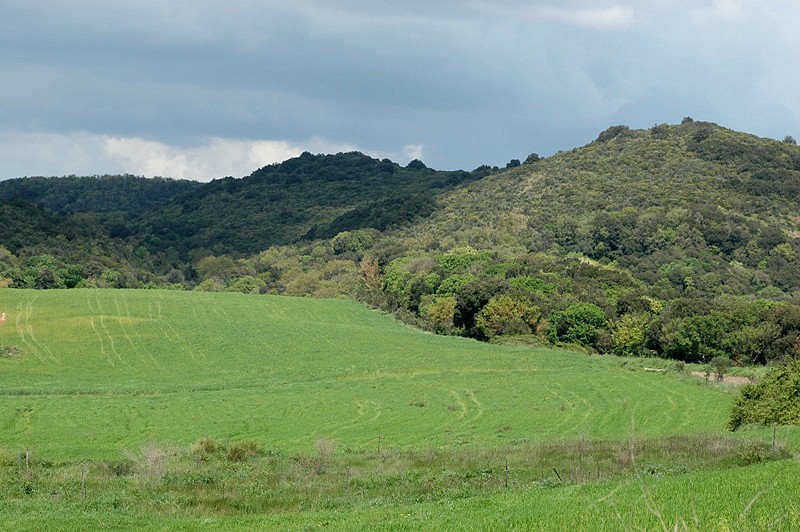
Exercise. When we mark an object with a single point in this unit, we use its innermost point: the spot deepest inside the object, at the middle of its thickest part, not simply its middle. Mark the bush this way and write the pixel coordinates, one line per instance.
(243, 451)
(579, 324)
(506, 314)
(205, 447)
(720, 364)
(774, 399)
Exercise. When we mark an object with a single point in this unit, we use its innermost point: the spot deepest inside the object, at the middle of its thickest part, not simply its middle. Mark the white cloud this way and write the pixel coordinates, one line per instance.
(83, 153)
(719, 10)
(613, 17)
(413, 151)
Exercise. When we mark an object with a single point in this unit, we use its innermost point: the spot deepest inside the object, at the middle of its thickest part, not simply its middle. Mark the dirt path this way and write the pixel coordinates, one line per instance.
(727, 378)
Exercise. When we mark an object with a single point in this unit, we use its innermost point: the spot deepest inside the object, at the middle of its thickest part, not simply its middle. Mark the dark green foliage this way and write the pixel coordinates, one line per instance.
(532, 158)
(612, 133)
(579, 324)
(470, 300)
(124, 194)
(774, 399)
(308, 197)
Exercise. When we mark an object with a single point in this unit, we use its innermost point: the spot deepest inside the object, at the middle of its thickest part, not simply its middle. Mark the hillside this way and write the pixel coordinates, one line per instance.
(678, 241)
(308, 197)
(653, 201)
(311, 196)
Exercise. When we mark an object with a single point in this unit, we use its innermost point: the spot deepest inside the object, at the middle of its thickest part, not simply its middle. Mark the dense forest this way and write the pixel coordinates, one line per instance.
(677, 241)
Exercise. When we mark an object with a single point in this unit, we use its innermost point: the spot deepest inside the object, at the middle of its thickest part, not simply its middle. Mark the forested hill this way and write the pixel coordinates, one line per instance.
(311, 196)
(125, 194)
(163, 224)
(308, 197)
(680, 201)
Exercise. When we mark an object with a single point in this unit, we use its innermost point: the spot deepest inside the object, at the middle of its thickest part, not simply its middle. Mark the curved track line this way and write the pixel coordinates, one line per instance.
(97, 333)
(28, 313)
(106, 331)
(474, 398)
(33, 349)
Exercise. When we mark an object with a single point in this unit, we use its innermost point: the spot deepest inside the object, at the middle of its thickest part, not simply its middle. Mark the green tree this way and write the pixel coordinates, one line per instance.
(720, 364)
(579, 323)
(507, 314)
(440, 312)
(629, 334)
(775, 398)
(247, 285)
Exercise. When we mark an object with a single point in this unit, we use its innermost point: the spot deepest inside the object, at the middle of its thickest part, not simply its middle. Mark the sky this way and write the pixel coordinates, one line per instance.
(201, 89)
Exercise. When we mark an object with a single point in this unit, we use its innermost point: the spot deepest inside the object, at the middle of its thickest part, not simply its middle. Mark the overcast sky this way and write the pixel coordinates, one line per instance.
(201, 89)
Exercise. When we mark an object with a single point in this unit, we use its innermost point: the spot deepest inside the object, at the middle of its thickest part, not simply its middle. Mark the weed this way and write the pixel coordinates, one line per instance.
(9, 351)
(242, 451)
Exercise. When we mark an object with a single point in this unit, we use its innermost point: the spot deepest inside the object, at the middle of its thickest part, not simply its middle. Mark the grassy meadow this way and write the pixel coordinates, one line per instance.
(128, 408)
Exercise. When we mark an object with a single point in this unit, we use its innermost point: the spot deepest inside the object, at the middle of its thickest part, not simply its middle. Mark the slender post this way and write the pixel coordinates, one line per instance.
(506, 483)
(27, 465)
(774, 434)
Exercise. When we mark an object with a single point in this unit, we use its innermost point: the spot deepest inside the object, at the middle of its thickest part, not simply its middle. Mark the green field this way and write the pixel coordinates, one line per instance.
(101, 374)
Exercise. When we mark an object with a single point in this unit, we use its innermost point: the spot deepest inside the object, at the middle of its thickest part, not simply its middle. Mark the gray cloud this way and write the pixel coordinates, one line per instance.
(471, 82)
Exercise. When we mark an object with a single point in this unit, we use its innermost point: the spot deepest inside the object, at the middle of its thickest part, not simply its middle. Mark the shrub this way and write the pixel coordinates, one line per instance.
(205, 447)
(507, 314)
(720, 364)
(774, 399)
(242, 451)
(578, 324)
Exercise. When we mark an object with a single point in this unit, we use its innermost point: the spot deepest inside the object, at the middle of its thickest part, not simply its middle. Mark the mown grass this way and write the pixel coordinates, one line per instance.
(100, 371)
(98, 377)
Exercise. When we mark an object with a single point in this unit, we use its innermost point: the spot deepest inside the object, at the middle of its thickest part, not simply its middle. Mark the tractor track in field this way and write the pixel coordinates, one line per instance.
(111, 343)
(103, 350)
(357, 420)
(39, 350)
(149, 357)
(28, 313)
(169, 331)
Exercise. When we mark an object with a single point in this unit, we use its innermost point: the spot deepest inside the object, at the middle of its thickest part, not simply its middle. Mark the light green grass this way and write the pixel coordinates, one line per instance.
(100, 374)
(105, 370)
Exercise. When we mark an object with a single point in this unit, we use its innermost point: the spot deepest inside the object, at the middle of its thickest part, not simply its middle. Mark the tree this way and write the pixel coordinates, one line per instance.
(629, 334)
(579, 324)
(532, 158)
(774, 399)
(507, 314)
(471, 298)
(440, 312)
(247, 284)
(720, 364)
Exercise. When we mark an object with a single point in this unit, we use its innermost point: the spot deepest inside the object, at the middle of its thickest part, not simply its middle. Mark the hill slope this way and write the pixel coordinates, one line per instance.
(648, 199)
(311, 196)
(99, 371)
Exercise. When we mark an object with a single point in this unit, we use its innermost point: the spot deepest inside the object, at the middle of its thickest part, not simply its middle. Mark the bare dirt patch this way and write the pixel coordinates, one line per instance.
(729, 379)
